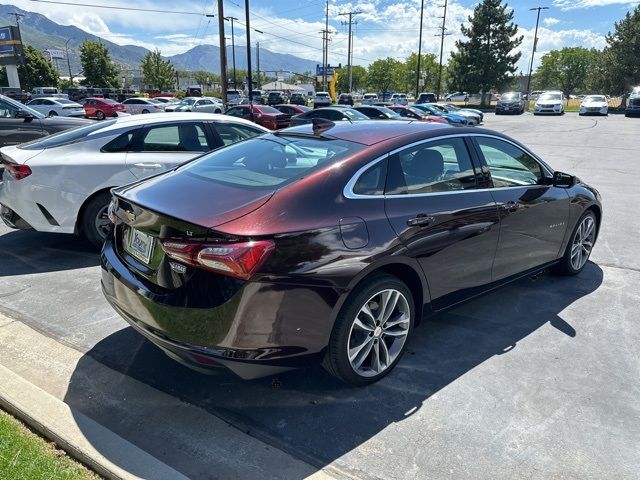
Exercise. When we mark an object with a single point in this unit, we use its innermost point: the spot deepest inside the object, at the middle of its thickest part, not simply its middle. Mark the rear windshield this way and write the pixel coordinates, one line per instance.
(66, 137)
(269, 161)
(266, 109)
(65, 101)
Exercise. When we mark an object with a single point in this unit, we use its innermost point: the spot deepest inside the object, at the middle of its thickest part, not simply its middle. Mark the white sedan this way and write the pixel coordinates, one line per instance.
(197, 104)
(594, 105)
(54, 106)
(61, 183)
(142, 105)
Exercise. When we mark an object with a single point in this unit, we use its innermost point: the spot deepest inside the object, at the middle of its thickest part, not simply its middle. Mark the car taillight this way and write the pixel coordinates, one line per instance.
(17, 171)
(239, 260)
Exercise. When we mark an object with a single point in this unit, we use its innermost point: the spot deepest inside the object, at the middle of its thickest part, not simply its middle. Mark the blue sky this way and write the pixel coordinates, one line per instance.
(384, 28)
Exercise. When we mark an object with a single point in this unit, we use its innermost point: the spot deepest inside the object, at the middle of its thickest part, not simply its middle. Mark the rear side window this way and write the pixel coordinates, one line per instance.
(439, 166)
(182, 137)
(269, 161)
(122, 143)
(372, 181)
(231, 133)
(66, 137)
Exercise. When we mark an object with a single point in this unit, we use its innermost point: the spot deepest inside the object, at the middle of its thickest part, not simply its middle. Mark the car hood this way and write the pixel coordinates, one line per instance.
(190, 198)
(548, 102)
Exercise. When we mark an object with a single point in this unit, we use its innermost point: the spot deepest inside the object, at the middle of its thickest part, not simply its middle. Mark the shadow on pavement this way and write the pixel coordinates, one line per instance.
(25, 252)
(318, 419)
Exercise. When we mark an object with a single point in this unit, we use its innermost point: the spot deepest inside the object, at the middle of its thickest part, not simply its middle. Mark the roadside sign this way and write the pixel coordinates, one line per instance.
(7, 46)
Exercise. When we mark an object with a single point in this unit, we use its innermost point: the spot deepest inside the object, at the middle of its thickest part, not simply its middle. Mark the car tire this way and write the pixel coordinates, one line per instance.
(355, 331)
(145, 111)
(100, 115)
(93, 217)
(582, 239)
(53, 113)
(217, 111)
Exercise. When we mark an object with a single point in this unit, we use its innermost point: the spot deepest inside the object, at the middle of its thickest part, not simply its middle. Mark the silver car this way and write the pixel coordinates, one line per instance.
(197, 104)
(135, 106)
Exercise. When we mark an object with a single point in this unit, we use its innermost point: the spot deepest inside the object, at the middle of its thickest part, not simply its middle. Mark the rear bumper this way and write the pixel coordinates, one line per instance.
(261, 329)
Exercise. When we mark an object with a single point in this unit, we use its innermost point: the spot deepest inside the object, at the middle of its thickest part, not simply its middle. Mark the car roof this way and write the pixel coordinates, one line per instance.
(162, 117)
(51, 98)
(370, 132)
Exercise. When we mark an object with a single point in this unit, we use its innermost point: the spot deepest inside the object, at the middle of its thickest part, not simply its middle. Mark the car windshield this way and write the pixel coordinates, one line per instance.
(188, 101)
(153, 100)
(265, 109)
(370, 95)
(354, 114)
(416, 111)
(320, 94)
(451, 108)
(108, 100)
(595, 98)
(510, 96)
(269, 161)
(388, 111)
(66, 137)
(550, 96)
(17, 106)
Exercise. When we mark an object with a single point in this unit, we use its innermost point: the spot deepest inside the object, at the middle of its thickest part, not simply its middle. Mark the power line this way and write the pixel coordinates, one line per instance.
(111, 7)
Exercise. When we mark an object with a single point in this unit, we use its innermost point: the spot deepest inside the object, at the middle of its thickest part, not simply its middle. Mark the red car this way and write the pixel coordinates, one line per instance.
(264, 115)
(101, 108)
(291, 109)
(408, 112)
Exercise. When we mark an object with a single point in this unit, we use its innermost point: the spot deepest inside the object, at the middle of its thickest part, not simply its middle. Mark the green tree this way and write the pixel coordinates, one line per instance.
(358, 82)
(568, 69)
(487, 59)
(157, 71)
(428, 72)
(620, 57)
(99, 70)
(383, 74)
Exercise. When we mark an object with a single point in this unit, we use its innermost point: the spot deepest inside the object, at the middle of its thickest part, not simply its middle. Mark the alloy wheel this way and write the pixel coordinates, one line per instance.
(582, 243)
(102, 222)
(378, 333)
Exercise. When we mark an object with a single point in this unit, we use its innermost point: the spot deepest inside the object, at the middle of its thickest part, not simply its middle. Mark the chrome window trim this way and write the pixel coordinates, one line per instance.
(348, 188)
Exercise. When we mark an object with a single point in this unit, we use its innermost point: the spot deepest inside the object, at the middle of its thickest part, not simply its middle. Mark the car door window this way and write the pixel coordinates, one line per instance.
(509, 165)
(182, 137)
(235, 112)
(438, 166)
(7, 110)
(231, 133)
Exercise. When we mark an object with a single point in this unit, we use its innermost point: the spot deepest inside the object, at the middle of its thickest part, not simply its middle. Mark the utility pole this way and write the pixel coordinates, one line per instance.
(12, 70)
(223, 53)
(350, 47)
(66, 49)
(419, 49)
(249, 79)
(233, 50)
(442, 35)
(533, 52)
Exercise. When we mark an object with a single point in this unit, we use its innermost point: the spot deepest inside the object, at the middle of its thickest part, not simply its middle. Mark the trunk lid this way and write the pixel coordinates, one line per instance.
(193, 199)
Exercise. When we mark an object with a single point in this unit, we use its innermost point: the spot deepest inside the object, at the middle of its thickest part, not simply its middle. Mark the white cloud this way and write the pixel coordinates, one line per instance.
(572, 4)
(550, 21)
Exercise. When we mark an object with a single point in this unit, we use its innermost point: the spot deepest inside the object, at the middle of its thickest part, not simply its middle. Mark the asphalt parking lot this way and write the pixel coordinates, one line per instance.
(540, 379)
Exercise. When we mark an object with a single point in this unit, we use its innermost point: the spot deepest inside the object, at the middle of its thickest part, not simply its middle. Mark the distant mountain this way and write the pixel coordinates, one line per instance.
(207, 57)
(42, 33)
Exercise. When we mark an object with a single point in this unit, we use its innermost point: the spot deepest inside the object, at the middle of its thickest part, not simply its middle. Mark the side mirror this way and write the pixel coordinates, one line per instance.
(23, 114)
(563, 180)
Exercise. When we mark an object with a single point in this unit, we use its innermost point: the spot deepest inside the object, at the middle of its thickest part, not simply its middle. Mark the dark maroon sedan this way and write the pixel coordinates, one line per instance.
(263, 115)
(330, 242)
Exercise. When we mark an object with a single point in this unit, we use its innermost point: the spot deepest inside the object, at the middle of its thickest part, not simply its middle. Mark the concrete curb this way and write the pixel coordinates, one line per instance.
(59, 422)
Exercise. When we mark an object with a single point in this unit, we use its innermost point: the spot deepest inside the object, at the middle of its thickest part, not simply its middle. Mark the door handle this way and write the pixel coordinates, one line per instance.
(147, 165)
(510, 206)
(421, 220)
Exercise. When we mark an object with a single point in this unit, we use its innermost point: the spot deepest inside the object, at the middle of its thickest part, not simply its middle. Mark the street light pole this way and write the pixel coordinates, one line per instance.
(233, 51)
(66, 49)
(223, 53)
(419, 49)
(533, 52)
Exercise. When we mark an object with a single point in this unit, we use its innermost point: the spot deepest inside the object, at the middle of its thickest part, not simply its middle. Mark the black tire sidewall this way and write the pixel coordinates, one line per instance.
(337, 361)
(89, 214)
(565, 267)
(100, 115)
